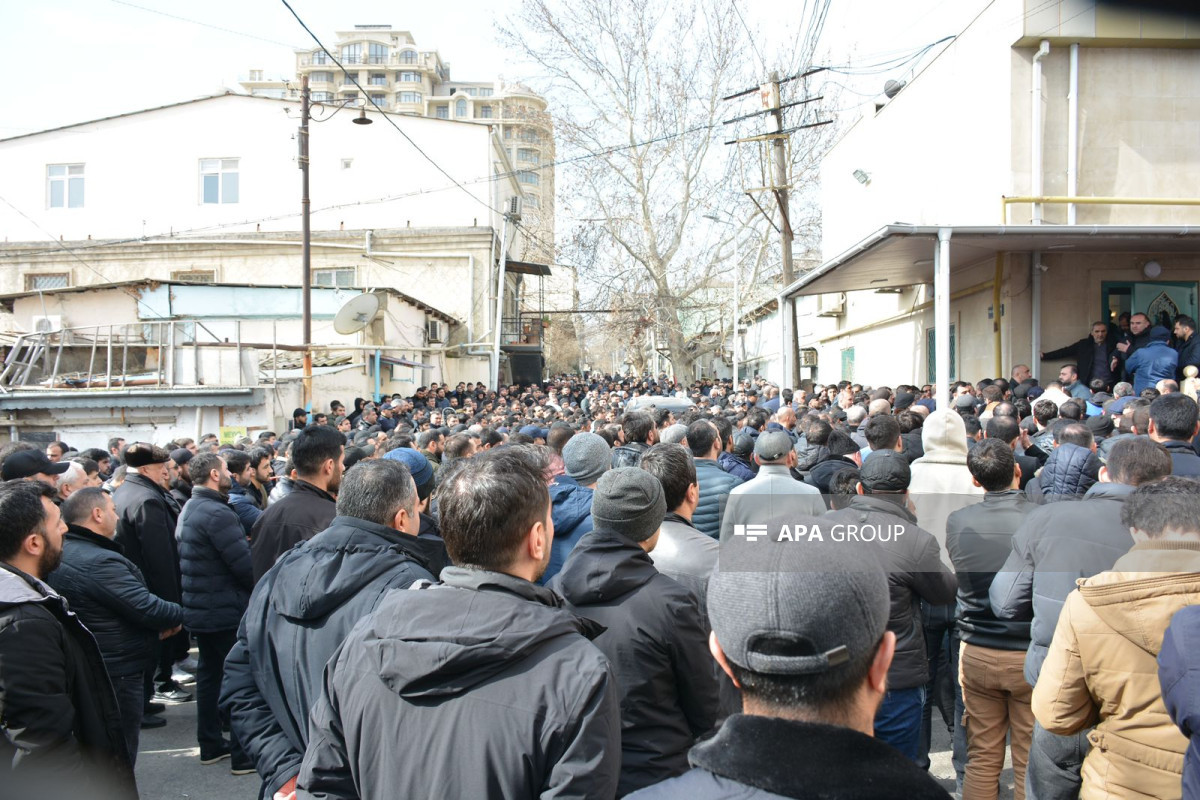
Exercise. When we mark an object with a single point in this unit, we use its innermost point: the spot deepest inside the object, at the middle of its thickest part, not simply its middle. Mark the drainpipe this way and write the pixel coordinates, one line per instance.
(1073, 132)
(941, 319)
(497, 321)
(1035, 130)
(1035, 271)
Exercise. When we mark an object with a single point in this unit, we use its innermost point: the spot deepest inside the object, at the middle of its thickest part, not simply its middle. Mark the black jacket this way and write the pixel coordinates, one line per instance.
(1080, 353)
(628, 455)
(215, 558)
(110, 596)
(297, 517)
(754, 757)
(299, 614)
(979, 540)
(146, 531)
(1189, 354)
(60, 727)
(915, 572)
(509, 701)
(658, 647)
(1185, 461)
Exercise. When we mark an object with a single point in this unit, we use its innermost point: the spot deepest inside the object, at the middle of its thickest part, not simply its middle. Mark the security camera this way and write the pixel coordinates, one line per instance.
(1043, 267)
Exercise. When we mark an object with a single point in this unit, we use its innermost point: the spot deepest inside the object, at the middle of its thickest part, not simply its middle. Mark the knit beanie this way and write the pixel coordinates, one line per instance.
(586, 457)
(629, 501)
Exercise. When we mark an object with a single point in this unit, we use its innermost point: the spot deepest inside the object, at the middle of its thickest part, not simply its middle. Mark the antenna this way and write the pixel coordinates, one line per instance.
(357, 313)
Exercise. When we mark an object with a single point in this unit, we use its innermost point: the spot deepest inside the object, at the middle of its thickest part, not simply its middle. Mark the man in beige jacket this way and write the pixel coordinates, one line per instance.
(1101, 667)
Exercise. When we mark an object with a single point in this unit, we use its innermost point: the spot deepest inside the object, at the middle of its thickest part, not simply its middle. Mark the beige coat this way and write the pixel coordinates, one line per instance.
(1101, 670)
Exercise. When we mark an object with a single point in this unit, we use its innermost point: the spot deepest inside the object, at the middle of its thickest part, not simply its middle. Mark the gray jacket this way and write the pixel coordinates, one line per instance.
(1056, 545)
(776, 481)
(686, 555)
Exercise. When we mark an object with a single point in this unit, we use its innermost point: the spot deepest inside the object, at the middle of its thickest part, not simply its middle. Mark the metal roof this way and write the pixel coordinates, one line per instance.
(902, 255)
(140, 397)
(526, 268)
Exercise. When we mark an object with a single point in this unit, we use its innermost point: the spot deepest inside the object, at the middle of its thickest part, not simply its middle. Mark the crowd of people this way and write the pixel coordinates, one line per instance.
(540, 591)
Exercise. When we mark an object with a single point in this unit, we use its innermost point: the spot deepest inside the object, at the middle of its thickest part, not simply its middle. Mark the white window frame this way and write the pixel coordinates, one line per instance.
(324, 76)
(61, 280)
(410, 77)
(442, 111)
(460, 108)
(529, 178)
(70, 180)
(408, 97)
(227, 173)
(332, 277)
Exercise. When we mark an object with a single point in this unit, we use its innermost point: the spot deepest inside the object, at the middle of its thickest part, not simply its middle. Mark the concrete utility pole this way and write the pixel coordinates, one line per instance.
(779, 145)
(306, 247)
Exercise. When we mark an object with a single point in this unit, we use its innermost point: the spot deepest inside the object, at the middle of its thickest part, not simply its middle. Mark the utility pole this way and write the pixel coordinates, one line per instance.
(771, 101)
(306, 246)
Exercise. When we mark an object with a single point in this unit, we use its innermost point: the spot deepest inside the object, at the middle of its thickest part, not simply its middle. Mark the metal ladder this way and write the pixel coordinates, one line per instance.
(28, 349)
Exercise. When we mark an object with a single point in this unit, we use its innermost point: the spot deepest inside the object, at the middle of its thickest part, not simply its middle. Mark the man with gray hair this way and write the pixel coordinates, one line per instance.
(304, 606)
(71, 481)
(586, 456)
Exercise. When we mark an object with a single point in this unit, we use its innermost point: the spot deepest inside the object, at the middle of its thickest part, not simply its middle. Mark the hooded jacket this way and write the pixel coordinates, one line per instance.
(735, 465)
(714, 484)
(658, 648)
(1179, 677)
(941, 483)
(1101, 671)
(146, 518)
(1153, 362)
(571, 511)
(60, 726)
(915, 572)
(766, 758)
(511, 701)
(1055, 546)
(298, 516)
(215, 559)
(110, 596)
(1068, 474)
(299, 613)
(244, 506)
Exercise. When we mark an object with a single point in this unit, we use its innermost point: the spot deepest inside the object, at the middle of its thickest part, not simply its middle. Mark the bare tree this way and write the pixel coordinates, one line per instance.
(639, 87)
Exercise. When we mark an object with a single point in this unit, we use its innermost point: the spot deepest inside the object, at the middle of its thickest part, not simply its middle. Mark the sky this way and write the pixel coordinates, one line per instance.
(85, 59)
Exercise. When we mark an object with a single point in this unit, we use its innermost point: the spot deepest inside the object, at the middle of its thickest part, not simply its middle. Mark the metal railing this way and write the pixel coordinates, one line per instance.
(526, 329)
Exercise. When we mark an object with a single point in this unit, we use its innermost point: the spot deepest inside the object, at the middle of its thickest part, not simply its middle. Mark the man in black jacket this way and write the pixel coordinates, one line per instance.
(1092, 355)
(1174, 423)
(915, 570)
(497, 682)
(60, 727)
(109, 595)
(639, 431)
(995, 695)
(654, 635)
(305, 605)
(146, 531)
(217, 581)
(309, 508)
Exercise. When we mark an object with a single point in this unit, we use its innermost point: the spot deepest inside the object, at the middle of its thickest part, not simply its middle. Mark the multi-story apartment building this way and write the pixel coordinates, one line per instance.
(396, 75)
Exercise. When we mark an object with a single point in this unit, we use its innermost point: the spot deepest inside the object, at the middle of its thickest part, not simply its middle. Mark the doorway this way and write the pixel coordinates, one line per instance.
(1162, 301)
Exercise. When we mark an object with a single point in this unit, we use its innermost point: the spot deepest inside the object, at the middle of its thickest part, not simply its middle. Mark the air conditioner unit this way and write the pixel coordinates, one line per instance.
(513, 211)
(435, 331)
(831, 305)
(46, 324)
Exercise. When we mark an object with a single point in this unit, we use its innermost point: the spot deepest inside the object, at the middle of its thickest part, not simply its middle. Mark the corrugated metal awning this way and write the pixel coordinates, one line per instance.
(149, 397)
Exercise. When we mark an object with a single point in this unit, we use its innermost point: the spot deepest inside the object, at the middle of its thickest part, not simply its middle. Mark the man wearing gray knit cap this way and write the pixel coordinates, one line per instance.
(654, 637)
(586, 457)
(801, 628)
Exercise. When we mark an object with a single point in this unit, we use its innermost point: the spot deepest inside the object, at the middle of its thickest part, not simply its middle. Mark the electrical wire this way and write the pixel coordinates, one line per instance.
(207, 25)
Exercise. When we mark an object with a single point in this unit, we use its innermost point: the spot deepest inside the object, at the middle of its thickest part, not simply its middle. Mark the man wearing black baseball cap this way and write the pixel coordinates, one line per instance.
(33, 465)
(801, 628)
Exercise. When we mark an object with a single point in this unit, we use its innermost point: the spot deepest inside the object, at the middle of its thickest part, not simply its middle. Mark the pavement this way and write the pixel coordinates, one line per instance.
(169, 768)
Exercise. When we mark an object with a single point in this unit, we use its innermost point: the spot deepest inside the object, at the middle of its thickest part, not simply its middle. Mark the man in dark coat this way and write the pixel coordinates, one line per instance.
(1187, 343)
(309, 508)
(60, 726)
(654, 635)
(1174, 423)
(639, 432)
(305, 605)
(217, 581)
(510, 700)
(915, 572)
(803, 630)
(146, 531)
(110, 596)
(1057, 544)
(1179, 676)
(1092, 355)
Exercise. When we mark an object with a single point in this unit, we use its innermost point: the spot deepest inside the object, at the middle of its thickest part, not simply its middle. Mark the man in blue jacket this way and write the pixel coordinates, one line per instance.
(1154, 362)
(305, 605)
(715, 483)
(586, 457)
(218, 576)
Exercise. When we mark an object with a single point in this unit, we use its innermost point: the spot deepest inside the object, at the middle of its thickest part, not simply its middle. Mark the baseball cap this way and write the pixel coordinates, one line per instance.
(772, 445)
(27, 463)
(809, 609)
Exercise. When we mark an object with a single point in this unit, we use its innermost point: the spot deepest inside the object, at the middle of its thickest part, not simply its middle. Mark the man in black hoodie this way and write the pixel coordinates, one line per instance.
(305, 605)
(481, 686)
(654, 635)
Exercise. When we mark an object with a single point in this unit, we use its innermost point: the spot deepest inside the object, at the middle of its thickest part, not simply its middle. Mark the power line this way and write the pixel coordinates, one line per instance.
(207, 25)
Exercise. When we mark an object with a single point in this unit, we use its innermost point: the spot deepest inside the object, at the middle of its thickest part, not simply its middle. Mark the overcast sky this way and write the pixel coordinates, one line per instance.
(74, 60)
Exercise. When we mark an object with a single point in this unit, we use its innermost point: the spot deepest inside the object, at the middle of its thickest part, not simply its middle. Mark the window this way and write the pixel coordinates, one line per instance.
(408, 97)
(47, 280)
(531, 201)
(218, 180)
(379, 99)
(460, 108)
(348, 78)
(320, 57)
(527, 177)
(931, 354)
(377, 53)
(408, 57)
(322, 97)
(321, 77)
(472, 92)
(526, 154)
(347, 163)
(410, 77)
(485, 92)
(349, 95)
(848, 364)
(352, 54)
(339, 276)
(195, 276)
(508, 133)
(443, 112)
(256, 75)
(485, 112)
(64, 185)
(378, 79)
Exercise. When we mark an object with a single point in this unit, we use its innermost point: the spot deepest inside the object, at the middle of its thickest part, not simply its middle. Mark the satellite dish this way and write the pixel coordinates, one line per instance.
(357, 313)
(892, 88)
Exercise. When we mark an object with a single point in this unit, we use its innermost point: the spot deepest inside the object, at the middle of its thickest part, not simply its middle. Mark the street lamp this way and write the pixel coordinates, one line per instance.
(713, 216)
(306, 227)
